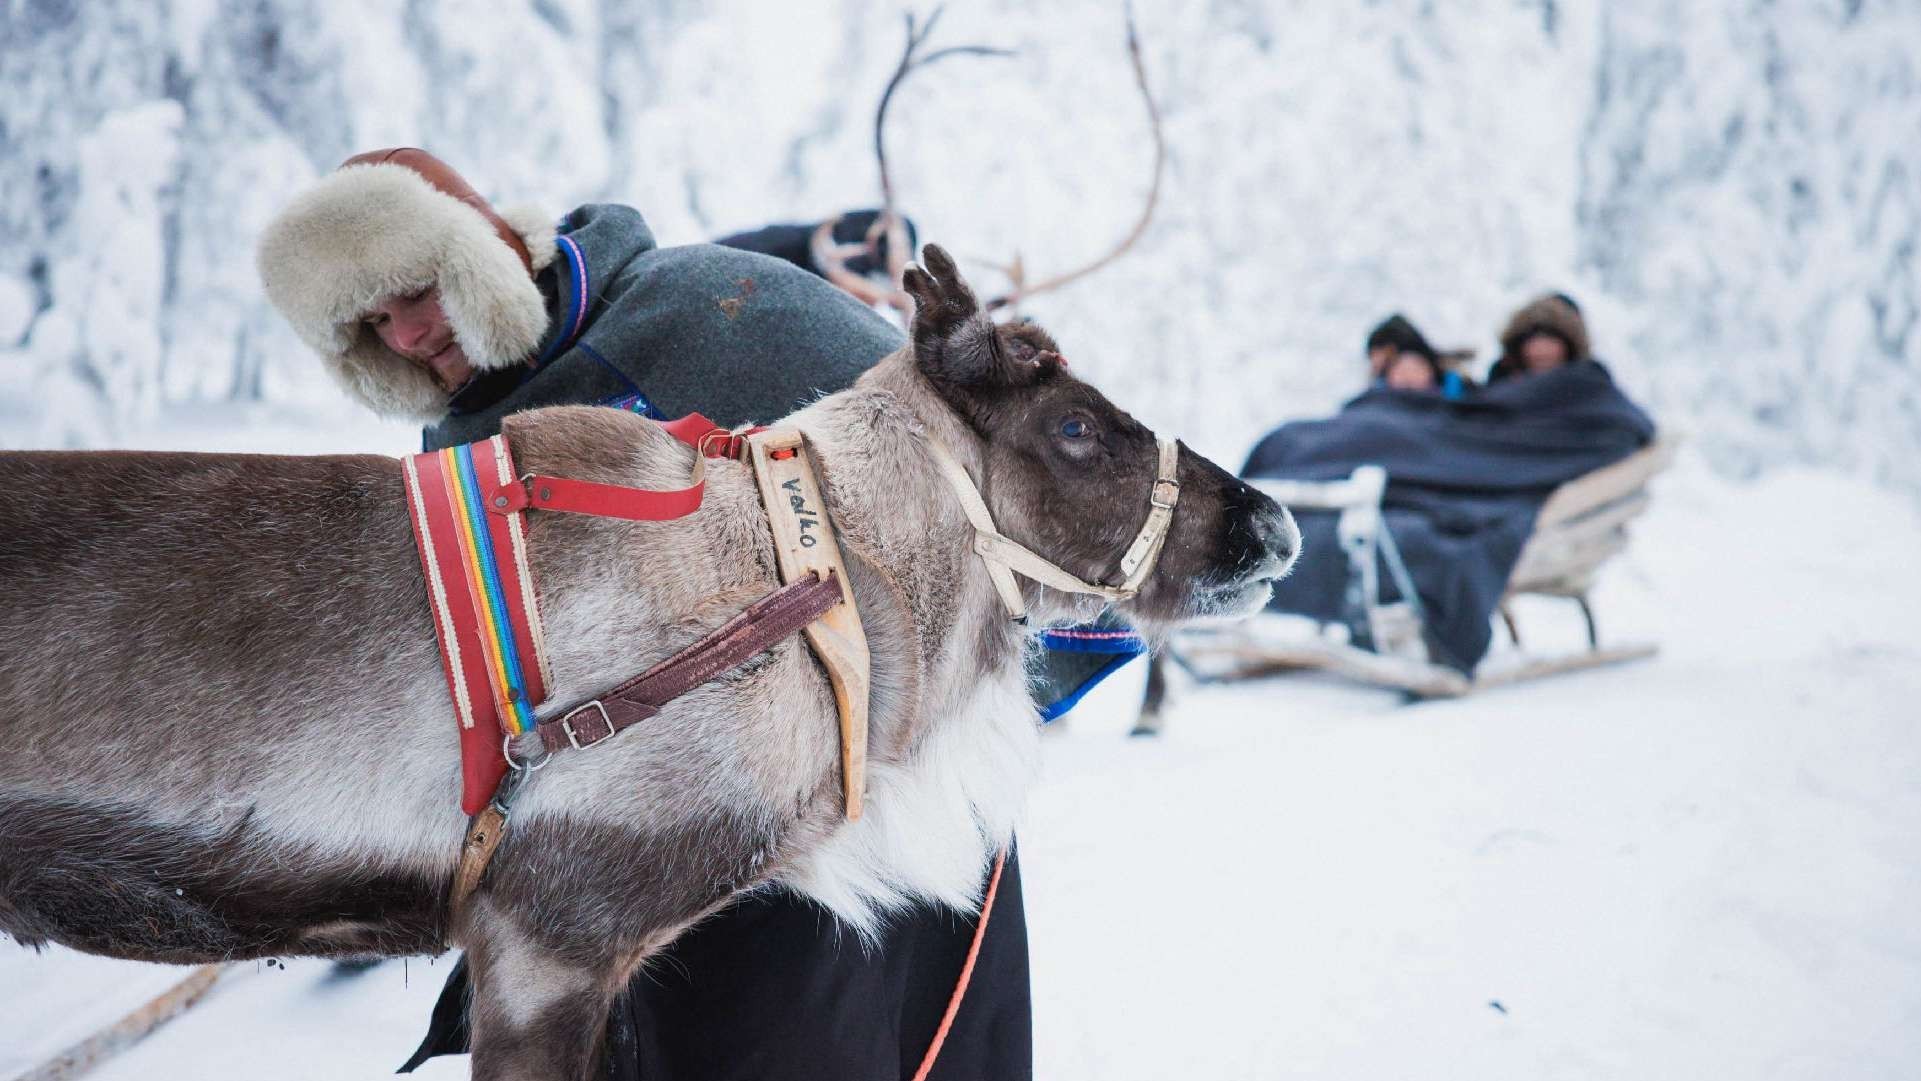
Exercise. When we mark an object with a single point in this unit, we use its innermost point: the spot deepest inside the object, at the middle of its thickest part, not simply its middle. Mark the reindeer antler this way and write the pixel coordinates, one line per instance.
(1021, 290)
(832, 257)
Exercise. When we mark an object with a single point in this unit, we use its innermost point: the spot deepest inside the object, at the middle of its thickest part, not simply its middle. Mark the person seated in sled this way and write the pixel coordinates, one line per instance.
(424, 302)
(1399, 357)
(1542, 335)
(1465, 475)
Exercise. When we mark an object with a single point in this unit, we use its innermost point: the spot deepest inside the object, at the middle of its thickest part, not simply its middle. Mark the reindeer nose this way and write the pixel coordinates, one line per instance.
(1281, 537)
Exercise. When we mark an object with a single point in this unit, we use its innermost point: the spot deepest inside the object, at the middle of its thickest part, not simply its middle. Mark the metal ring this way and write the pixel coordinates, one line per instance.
(506, 744)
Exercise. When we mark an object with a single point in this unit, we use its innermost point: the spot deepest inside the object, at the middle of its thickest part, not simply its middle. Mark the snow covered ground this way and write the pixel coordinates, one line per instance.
(1701, 866)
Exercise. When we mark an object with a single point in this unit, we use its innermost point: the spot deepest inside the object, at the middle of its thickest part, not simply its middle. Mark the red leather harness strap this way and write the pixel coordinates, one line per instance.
(759, 626)
(538, 491)
(706, 437)
(541, 492)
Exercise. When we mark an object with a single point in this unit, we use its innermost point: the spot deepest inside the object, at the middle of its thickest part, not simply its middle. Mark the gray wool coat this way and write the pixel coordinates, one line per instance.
(736, 336)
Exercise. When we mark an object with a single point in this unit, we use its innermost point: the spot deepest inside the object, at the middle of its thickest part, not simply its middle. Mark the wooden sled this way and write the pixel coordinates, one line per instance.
(1582, 525)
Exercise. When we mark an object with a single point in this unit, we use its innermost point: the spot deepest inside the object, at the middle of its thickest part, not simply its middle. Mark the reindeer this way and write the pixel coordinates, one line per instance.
(224, 730)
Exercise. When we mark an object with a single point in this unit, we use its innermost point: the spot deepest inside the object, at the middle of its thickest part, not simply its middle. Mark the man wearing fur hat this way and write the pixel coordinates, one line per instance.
(1546, 333)
(424, 302)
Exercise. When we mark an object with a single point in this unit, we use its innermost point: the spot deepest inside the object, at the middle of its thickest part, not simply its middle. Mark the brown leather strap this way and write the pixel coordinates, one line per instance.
(765, 622)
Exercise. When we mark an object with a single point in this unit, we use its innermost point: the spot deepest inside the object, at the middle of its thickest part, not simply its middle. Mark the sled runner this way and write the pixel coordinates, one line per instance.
(130, 1029)
(1581, 526)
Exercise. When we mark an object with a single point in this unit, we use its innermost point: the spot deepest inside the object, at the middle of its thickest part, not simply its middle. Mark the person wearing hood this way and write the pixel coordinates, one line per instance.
(422, 301)
(1546, 333)
(1465, 477)
(1399, 357)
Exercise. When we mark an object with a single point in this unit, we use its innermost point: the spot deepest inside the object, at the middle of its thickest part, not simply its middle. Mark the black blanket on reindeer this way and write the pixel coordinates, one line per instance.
(1465, 480)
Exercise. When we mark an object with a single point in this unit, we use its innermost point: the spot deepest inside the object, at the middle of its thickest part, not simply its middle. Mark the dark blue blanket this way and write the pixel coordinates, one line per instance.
(1465, 479)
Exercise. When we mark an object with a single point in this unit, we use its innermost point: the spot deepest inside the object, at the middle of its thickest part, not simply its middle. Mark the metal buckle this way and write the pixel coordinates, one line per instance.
(507, 752)
(503, 800)
(1165, 494)
(567, 724)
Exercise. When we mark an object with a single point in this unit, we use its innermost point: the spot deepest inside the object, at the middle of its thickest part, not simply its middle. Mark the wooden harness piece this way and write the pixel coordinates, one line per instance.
(804, 543)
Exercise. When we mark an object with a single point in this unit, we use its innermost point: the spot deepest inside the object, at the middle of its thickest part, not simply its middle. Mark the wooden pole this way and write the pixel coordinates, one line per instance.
(82, 1057)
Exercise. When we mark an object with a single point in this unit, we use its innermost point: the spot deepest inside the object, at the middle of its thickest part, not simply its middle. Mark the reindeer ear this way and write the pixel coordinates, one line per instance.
(1030, 352)
(954, 343)
(942, 300)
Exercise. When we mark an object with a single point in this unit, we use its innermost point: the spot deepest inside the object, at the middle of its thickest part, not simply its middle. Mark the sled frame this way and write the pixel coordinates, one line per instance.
(1579, 529)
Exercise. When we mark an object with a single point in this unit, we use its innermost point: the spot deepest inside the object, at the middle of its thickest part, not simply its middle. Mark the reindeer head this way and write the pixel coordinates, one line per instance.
(1068, 475)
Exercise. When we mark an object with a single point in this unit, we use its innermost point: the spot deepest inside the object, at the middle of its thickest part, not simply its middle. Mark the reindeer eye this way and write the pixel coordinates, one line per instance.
(1075, 428)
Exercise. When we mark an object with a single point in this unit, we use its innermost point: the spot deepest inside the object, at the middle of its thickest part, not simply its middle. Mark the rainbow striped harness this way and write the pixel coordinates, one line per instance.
(486, 613)
(467, 504)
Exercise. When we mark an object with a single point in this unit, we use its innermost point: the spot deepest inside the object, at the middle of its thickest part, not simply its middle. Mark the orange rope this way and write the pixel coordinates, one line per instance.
(966, 973)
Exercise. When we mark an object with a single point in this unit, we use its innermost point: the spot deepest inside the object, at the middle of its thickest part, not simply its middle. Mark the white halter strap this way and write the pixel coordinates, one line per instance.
(1006, 558)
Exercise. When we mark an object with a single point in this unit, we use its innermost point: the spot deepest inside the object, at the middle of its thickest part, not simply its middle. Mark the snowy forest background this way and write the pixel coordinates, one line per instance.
(1701, 865)
(1732, 190)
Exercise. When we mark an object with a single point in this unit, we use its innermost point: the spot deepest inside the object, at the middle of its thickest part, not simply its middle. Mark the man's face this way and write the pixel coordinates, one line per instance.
(1543, 353)
(416, 328)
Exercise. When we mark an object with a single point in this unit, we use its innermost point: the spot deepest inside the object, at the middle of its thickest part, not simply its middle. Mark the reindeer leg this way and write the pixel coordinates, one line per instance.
(570, 907)
(536, 1015)
(1154, 701)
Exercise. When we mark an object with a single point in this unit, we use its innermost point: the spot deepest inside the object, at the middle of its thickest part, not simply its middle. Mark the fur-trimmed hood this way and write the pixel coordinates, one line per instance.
(1553, 314)
(1398, 333)
(391, 224)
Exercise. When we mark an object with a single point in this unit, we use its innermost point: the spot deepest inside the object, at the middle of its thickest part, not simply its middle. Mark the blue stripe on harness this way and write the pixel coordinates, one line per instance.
(523, 717)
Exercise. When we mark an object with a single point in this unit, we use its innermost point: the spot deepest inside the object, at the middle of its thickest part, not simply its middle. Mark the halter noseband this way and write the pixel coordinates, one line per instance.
(1006, 558)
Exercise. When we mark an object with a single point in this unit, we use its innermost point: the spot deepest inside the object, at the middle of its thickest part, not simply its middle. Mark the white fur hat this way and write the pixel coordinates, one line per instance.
(391, 223)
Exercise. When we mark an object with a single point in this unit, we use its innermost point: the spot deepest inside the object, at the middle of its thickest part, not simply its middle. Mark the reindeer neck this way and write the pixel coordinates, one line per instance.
(890, 502)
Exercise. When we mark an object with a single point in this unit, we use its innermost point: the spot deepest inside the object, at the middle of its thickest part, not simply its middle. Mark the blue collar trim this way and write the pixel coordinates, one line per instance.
(573, 299)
